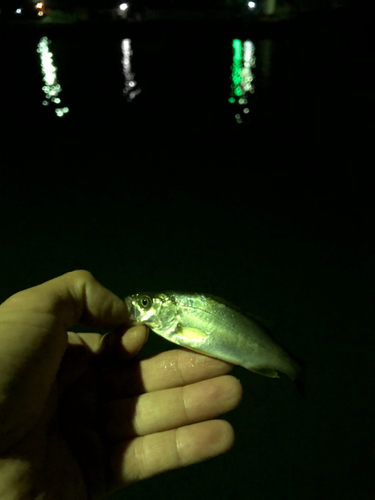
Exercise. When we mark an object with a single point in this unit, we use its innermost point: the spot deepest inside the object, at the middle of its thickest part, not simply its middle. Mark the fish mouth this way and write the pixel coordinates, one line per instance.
(131, 310)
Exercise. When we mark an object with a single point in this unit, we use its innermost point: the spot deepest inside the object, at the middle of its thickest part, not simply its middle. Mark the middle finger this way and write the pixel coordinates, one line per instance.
(167, 409)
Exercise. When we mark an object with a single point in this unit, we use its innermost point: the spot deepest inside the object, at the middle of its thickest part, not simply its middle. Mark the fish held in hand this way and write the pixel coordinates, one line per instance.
(211, 326)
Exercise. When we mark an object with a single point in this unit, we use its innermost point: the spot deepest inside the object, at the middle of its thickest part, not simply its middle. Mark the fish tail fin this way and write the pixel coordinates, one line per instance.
(299, 378)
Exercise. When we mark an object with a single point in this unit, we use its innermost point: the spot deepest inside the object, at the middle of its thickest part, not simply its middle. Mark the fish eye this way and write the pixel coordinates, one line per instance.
(145, 302)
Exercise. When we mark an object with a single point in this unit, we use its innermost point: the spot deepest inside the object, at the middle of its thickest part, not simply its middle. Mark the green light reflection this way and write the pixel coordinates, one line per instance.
(242, 77)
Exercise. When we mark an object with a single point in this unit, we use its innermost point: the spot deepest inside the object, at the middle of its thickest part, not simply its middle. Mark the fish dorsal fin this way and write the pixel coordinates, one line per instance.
(258, 319)
(222, 301)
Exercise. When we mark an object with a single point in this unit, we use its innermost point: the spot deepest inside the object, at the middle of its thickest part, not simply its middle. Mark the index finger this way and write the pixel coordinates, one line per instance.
(74, 297)
(168, 369)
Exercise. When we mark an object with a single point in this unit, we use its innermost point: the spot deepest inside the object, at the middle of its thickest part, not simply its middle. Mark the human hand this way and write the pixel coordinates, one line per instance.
(79, 416)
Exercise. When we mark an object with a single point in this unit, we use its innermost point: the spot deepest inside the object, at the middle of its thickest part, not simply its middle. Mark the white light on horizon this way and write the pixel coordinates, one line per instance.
(18, 11)
(123, 6)
(251, 5)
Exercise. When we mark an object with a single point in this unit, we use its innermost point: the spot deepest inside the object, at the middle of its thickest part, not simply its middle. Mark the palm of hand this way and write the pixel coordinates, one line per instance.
(111, 420)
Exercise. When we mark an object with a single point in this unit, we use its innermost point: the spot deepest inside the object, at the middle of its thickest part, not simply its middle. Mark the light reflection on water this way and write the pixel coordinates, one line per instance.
(242, 78)
(130, 90)
(240, 89)
(51, 87)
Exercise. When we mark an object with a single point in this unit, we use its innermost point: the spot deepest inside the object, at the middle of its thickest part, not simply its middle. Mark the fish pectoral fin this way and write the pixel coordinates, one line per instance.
(190, 334)
(266, 372)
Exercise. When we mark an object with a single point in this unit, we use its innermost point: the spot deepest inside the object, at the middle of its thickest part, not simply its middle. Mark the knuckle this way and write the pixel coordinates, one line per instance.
(184, 404)
(80, 275)
(140, 456)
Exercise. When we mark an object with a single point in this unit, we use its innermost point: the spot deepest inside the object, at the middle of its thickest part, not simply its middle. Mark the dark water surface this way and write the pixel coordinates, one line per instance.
(306, 87)
(167, 190)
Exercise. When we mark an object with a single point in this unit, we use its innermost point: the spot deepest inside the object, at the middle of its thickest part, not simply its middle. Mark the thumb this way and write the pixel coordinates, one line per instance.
(33, 337)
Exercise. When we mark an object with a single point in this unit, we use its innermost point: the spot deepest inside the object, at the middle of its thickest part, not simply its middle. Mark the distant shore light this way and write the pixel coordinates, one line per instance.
(251, 5)
(123, 6)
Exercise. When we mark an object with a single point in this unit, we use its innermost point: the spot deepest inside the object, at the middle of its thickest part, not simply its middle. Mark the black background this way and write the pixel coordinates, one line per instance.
(167, 192)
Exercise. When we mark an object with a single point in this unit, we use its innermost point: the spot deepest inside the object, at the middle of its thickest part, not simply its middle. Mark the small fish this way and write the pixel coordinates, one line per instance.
(211, 326)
